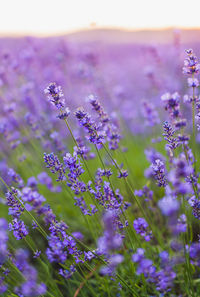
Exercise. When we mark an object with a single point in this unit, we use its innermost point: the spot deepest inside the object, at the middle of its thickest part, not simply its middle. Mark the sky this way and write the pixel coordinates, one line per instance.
(50, 17)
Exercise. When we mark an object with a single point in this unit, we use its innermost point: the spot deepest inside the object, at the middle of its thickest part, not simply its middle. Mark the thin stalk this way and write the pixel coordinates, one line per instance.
(193, 125)
(186, 254)
(85, 279)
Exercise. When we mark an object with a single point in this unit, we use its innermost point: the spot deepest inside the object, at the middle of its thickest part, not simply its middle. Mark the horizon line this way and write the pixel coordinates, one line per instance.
(93, 28)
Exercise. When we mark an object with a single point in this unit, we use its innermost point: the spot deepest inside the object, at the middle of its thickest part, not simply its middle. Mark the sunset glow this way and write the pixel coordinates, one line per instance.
(54, 17)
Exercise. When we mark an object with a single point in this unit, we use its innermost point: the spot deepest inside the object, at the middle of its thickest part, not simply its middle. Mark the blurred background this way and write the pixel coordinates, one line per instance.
(125, 52)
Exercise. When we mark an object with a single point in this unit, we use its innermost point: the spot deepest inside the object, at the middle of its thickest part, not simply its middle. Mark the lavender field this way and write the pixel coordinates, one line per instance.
(99, 165)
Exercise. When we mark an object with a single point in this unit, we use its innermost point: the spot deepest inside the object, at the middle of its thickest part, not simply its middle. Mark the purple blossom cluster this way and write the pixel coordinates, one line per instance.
(55, 95)
(163, 279)
(146, 193)
(104, 193)
(141, 227)
(3, 240)
(158, 168)
(150, 114)
(72, 164)
(93, 130)
(172, 104)
(83, 149)
(109, 127)
(179, 174)
(14, 203)
(169, 136)
(191, 64)
(19, 228)
(15, 210)
(53, 163)
(74, 168)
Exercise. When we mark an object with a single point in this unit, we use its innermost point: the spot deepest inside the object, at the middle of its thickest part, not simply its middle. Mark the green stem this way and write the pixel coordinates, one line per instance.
(193, 128)
(193, 125)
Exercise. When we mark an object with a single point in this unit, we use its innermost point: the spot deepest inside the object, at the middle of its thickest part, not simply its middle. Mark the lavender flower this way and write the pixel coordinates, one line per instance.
(32, 182)
(145, 192)
(98, 108)
(138, 256)
(19, 229)
(13, 201)
(53, 163)
(194, 253)
(113, 262)
(108, 127)
(111, 240)
(141, 227)
(152, 155)
(34, 225)
(172, 104)
(3, 240)
(179, 175)
(88, 256)
(150, 114)
(169, 136)
(3, 286)
(123, 173)
(32, 199)
(64, 114)
(195, 203)
(181, 224)
(113, 136)
(158, 168)
(83, 150)
(15, 177)
(168, 205)
(56, 251)
(55, 95)
(180, 123)
(191, 65)
(67, 273)
(91, 128)
(72, 163)
(163, 278)
(30, 287)
(83, 207)
(78, 235)
(37, 254)
(145, 266)
(193, 82)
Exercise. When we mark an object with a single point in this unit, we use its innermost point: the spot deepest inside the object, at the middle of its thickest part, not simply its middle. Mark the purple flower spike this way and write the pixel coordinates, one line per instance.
(158, 168)
(55, 95)
(191, 65)
(140, 225)
(19, 229)
(168, 205)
